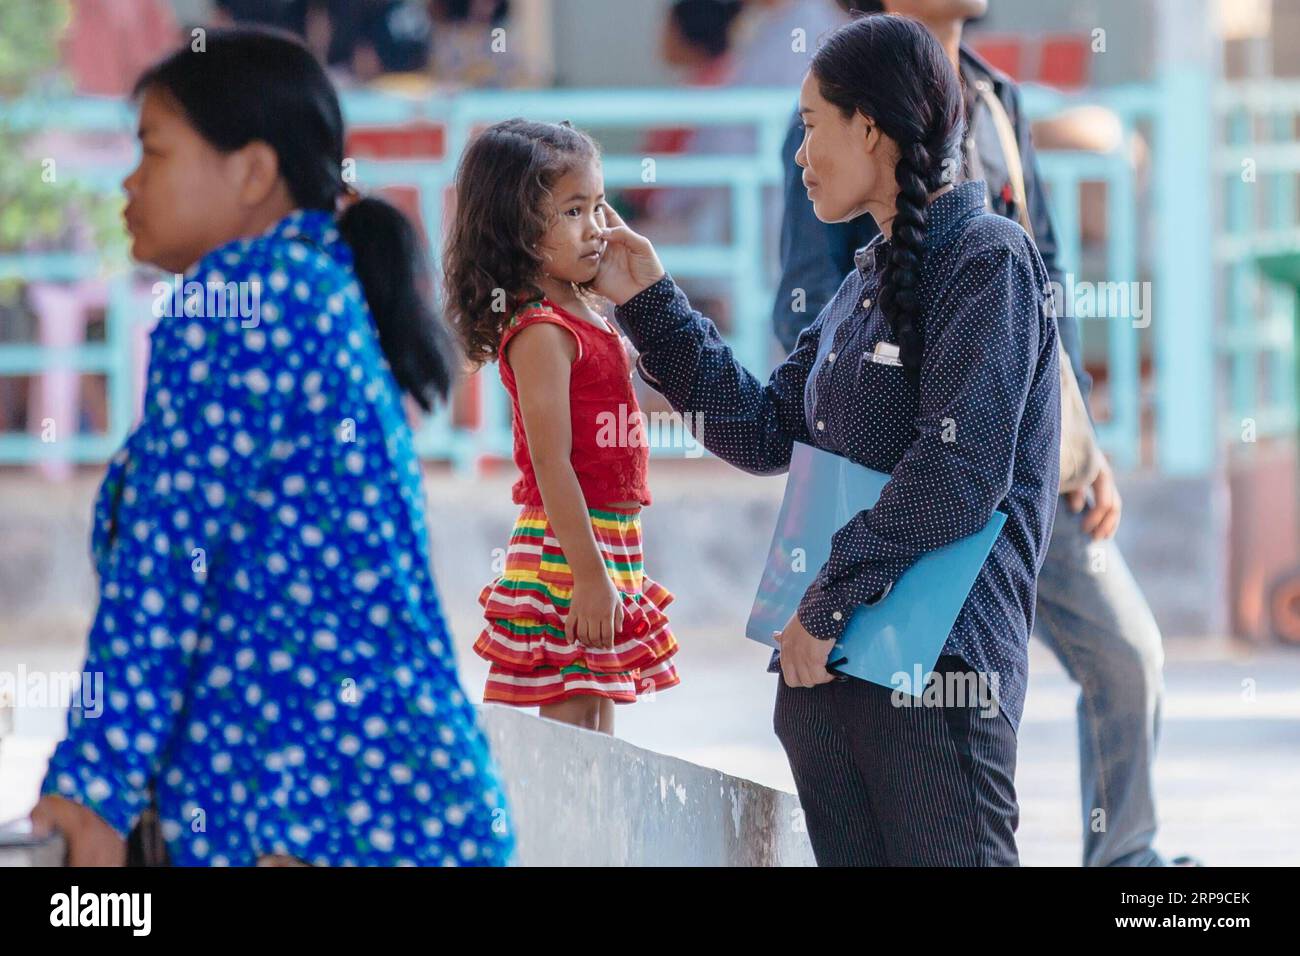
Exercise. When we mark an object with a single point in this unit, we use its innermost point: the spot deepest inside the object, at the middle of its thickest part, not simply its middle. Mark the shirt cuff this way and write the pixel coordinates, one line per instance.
(651, 311)
(645, 373)
(824, 614)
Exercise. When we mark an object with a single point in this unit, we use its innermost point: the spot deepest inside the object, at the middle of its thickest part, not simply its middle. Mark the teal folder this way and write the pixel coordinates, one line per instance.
(903, 633)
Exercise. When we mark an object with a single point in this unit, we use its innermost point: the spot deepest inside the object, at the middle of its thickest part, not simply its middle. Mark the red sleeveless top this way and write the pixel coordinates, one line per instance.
(610, 451)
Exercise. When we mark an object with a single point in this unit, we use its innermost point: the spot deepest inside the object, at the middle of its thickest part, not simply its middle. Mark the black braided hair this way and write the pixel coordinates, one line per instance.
(893, 71)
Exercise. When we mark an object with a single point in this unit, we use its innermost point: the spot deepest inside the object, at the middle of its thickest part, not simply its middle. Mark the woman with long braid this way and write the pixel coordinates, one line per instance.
(935, 362)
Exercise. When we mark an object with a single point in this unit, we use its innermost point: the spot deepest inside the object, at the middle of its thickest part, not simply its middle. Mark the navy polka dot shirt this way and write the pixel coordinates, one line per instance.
(981, 432)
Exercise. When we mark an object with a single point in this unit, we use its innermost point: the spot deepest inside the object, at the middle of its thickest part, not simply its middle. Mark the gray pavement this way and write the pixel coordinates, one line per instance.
(1228, 774)
(1228, 777)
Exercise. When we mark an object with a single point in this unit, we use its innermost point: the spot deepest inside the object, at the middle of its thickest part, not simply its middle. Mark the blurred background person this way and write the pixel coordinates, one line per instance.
(472, 46)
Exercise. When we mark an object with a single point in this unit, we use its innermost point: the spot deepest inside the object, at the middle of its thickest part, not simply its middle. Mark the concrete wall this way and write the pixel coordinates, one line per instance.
(705, 539)
(49, 852)
(579, 798)
(1174, 537)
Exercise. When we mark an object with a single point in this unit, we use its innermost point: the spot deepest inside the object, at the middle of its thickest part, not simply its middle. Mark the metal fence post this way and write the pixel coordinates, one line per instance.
(1183, 297)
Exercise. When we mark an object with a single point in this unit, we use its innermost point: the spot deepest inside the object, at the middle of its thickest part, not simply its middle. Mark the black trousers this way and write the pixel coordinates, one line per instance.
(888, 785)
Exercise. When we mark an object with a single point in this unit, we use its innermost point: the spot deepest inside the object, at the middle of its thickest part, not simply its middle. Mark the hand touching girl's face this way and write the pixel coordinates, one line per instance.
(572, 245)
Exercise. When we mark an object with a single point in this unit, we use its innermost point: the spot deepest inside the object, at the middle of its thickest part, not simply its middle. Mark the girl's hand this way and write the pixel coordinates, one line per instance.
(629, 263)
(91, 841)
(803, 657)
(595, 612)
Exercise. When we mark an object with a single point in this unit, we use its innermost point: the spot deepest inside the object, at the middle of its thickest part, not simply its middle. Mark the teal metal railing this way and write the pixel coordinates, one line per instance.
(111, 358)
(1065, 174)
(741, 262)
(1256, 168)
(1143, 243)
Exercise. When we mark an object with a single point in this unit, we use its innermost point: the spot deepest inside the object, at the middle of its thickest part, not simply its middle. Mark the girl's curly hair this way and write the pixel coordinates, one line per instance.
(503, 210)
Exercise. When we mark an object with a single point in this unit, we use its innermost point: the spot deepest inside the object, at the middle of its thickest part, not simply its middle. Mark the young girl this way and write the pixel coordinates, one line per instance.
(278, 674)
(574, 625)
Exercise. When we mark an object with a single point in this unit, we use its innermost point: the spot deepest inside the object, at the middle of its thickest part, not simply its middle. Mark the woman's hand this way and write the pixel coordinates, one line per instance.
(629, 264)
(91, 841)
(595, 611)
(803, 657)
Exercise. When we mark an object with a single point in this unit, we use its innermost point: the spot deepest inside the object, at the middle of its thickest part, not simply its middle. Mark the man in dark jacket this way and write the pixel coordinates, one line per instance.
(1090, 611)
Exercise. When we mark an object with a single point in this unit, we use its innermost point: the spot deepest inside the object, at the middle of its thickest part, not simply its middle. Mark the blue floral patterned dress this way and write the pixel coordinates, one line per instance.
(275, 662)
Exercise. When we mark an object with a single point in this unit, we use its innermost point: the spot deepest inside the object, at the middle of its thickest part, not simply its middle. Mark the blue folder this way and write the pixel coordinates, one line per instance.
(903, 633)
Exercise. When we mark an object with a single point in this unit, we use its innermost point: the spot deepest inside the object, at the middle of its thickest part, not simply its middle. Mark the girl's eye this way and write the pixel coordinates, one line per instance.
(576, 210)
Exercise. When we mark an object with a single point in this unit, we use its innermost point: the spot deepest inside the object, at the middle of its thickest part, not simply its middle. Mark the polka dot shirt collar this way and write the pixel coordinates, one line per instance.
(945, 214)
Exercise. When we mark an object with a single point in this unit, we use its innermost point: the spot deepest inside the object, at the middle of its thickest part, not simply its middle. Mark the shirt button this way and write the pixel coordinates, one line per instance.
(821, 426)
(866, 303)
(830, 358)
(837, 616)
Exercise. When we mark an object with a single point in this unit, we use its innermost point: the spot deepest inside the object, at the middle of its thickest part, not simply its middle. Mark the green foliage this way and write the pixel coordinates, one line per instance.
(36, 213)
(29, 35)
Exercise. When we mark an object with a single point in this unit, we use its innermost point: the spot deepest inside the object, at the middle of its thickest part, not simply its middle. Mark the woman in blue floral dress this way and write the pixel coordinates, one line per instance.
(277, 672)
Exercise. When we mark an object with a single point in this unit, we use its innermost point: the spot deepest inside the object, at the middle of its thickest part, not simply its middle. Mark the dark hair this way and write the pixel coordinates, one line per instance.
(705, 23)
(862, 6)
(256, 84)
(892, 70)
(400, 33)
(462, 11)
(503, 190)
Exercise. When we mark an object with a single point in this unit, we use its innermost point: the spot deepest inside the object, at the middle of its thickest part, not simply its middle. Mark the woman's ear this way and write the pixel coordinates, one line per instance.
(259, 172)
(871, 135)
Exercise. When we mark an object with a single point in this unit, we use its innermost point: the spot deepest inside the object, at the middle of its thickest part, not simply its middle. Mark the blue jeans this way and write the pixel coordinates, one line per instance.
(1094, 618)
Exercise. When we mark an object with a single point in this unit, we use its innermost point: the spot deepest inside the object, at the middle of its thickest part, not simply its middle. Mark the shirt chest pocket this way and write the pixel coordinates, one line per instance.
(878, 372)
(882, 402)
(855, 398)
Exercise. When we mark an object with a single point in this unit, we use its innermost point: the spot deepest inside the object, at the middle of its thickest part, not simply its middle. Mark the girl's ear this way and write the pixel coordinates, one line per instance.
(258, 171)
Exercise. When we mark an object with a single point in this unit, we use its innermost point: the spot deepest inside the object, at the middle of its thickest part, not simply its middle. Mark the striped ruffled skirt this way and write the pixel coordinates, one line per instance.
(532, 662)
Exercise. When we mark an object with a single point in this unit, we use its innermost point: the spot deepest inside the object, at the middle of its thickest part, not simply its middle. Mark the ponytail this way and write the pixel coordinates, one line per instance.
(390, 265)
